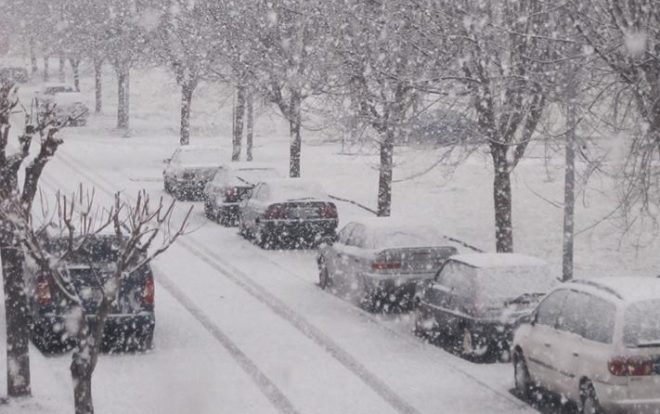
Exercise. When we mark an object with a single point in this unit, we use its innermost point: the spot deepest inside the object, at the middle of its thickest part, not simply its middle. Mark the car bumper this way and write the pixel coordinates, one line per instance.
(309, 231)
(121, 332)
(189, 188)
(226, 212)
(615, 400)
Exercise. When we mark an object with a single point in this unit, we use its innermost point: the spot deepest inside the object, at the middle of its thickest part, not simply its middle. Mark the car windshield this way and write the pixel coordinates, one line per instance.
(201, 156)
(499, 284)
(641, 325)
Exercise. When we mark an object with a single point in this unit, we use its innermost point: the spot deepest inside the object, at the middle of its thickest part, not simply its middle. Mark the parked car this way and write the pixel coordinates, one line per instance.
(379, 261)
(69, 108)
(130, 325)
(189, 170)
(596, 343)
(15, 74)
(287, 212)
(477, 299)
(230, 185)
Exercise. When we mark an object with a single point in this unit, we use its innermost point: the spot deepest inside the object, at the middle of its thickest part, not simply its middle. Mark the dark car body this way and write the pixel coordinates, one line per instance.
(379, 262)
(131, 322)
(477, 300)
(230, 186)
(189, 170)
(287, 213)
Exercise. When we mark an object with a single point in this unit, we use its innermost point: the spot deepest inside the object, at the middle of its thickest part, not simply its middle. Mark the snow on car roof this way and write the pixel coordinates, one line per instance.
(630, 288)
(491, 260)
(284, 189)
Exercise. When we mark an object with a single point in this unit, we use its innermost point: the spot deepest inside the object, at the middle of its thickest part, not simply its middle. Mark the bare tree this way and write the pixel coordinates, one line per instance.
(625, 37)
(505, 48)
(14, 201)
(186, 42)
(142, 231)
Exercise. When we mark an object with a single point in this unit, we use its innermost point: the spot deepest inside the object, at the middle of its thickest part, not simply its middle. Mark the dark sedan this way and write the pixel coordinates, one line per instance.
(189, 170)
(231, 185)
(288, 213)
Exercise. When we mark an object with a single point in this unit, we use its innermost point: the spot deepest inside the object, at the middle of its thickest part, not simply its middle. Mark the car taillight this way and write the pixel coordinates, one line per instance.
(329, 211)
(275, 211)
(148, 291)
(385, 265)
(630, 367)
(42, 291)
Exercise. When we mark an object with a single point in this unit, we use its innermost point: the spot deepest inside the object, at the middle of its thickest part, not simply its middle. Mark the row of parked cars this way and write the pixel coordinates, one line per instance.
(595, 342)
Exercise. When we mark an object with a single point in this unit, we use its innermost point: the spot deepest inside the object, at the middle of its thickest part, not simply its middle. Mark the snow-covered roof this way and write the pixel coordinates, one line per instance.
(630, 288)
(491, 260)
(248, 165)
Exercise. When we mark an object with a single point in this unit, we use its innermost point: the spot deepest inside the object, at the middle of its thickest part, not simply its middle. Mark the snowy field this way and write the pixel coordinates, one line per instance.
(242, 330)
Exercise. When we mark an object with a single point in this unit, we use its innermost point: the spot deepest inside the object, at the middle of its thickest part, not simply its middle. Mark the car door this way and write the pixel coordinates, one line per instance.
(586, 335)
(540, 346)
(448, 295)
(571, 329)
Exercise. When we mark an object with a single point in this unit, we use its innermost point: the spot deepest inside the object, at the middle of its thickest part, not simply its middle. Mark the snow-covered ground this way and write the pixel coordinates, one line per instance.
(243, 330)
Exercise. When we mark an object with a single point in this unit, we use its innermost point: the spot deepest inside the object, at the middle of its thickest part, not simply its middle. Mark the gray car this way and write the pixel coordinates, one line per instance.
(231, 184)
(189, 170)
(378, 262)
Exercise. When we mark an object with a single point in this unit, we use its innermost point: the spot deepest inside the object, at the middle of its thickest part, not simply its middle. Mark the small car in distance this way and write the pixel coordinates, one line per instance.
(476, 300)
(596, 343)
(189, 169)
(289, 212)
(69, 109)
(230, 185)
(378, 262)
(129, 326)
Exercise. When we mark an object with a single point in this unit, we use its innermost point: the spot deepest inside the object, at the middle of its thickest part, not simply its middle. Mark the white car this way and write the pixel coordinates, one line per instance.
(189, 169)
(596, 343)
(69, 108)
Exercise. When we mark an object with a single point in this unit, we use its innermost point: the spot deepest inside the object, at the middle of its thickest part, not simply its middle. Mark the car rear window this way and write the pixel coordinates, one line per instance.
(641, 324)
(503, 283)
(397, 238)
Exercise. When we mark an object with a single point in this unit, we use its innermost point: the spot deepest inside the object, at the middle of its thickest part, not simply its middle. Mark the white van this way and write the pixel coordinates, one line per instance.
(596, 343)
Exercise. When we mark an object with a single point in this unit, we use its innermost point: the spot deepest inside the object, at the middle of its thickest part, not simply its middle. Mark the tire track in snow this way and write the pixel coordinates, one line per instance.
(270, 390)
(280, 308)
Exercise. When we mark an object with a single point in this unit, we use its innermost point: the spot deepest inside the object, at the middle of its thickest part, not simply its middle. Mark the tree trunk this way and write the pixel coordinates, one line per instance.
(296, 140)
(82, 367)
(61, 75)
(98, 85)
(17, 318)
(46, 69)
(33, 57)
(186, 101)
(123, 98)
(503, 200)
(75, 68)
(385, 174)
(569, 196)
(239, 114)
(250, 126)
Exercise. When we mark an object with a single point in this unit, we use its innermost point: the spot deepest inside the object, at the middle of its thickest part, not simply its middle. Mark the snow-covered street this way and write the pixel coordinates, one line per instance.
(250, 330)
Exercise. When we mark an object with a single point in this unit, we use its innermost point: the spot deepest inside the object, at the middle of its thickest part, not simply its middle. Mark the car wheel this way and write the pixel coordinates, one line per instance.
(522, 379)
(588, 400)
(475, 347)
(324, 276)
